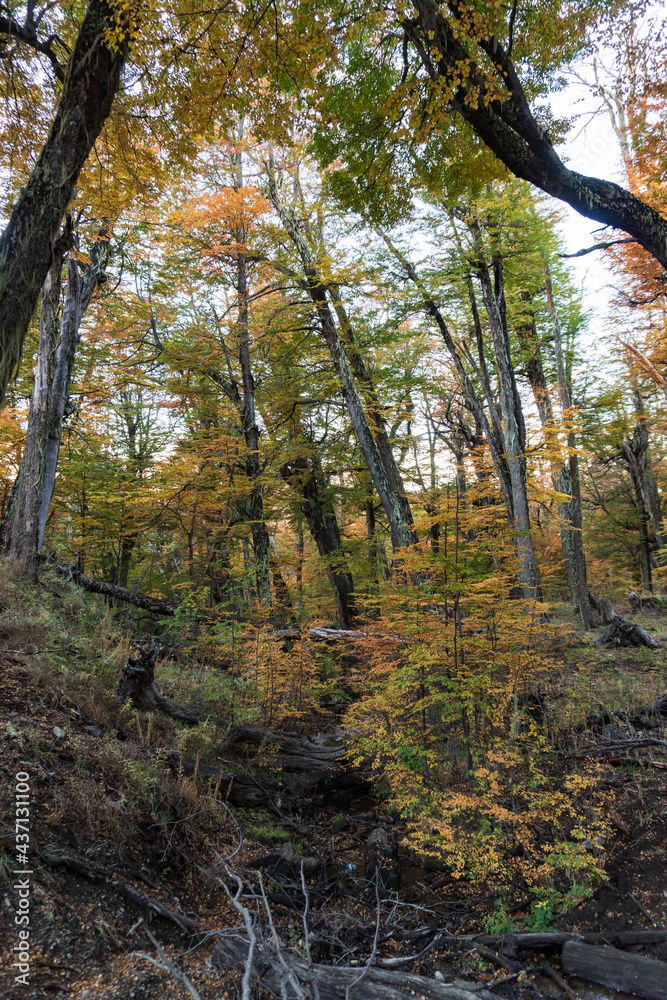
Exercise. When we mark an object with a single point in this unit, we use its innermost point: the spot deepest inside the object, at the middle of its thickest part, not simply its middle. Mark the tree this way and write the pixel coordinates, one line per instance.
(24, 521)
(27, 244)
(369, 428)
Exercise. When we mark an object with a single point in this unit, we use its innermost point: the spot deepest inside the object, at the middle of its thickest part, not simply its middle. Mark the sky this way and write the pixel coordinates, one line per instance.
(591, 148)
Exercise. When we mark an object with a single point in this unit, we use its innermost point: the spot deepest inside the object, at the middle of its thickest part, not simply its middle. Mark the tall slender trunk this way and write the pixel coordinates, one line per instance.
(642, 514)
(281, 590)
(306, 477)
(493, 440)
(573, 462)
(19, 532)
(372, 548)
(255, 504)
(514, 431)
(647, 476)
(222, 584)
(300, 548)
(559, 468)
(24, 523)
(392, 496)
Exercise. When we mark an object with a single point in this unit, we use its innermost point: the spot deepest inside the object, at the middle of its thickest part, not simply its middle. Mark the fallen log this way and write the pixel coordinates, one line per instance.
(74, 865)
(533, 941)
(144, 601)
(514, 941)
(154, 908)
(619, 970)
(295, 752)
(332, 982)
(238, 789)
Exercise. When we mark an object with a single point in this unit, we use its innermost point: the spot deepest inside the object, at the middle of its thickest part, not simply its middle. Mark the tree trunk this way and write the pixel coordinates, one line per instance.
(495, 444)
(22, 531)
(649, 485)
(560, 471)
(514, 431)
(395, 503)
(290, 977)
(20, 526)
(573, 463)
(27, 243)
(137, 684)
(255, 506)
(618, 970)
(642, 515)
(281, 590)
(306, 476)
(372, 547)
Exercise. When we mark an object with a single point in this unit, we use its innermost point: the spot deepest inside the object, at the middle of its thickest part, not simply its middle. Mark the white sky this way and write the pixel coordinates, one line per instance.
(591, 148)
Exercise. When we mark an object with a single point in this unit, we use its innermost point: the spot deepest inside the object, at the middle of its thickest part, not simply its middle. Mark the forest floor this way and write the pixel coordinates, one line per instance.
(134, 833)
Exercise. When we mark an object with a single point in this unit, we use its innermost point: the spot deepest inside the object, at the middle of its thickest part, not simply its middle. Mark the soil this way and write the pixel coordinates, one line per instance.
(88, 939)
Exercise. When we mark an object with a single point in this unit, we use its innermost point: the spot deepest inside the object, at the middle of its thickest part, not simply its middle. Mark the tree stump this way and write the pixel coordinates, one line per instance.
(137, 684)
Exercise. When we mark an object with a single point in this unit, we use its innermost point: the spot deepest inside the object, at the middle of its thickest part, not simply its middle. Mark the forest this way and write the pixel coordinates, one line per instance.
(333, 480)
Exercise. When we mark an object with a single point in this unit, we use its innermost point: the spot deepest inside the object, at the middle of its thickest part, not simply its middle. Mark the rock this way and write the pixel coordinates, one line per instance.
(58, 733)
(287, 863)
(93, 730)
(381, 861)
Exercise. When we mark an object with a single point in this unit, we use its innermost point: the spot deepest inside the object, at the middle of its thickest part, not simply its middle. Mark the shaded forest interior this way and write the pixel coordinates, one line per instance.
(333, 579)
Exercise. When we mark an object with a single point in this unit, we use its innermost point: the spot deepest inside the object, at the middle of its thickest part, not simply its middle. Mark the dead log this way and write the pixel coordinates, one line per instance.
(656, 602)
(621, 632)
(512, 943)
(619, 970)
(154, 908)
(285, 863)
(144, 601)
(238, 789)
(335, 634)
(137, 684)
(329, 982)
(295, 752)
(74, 865)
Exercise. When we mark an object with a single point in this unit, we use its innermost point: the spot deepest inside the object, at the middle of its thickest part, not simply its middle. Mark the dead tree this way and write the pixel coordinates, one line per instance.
(137, 684)
(621, 632)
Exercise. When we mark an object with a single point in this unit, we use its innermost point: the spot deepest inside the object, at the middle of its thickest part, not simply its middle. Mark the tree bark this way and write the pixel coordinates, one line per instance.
(394, 501)
(20, 525)
(514, 430)
(137, 684)
(632, 463)
(583, 597)
(616, 969)
(495, 444)
(22, 530)
(27, 243)
(560, 471)
(255, 504)
(153, 604)
(306, 476)
(509, 129)
(647, 476)
(330, 982)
